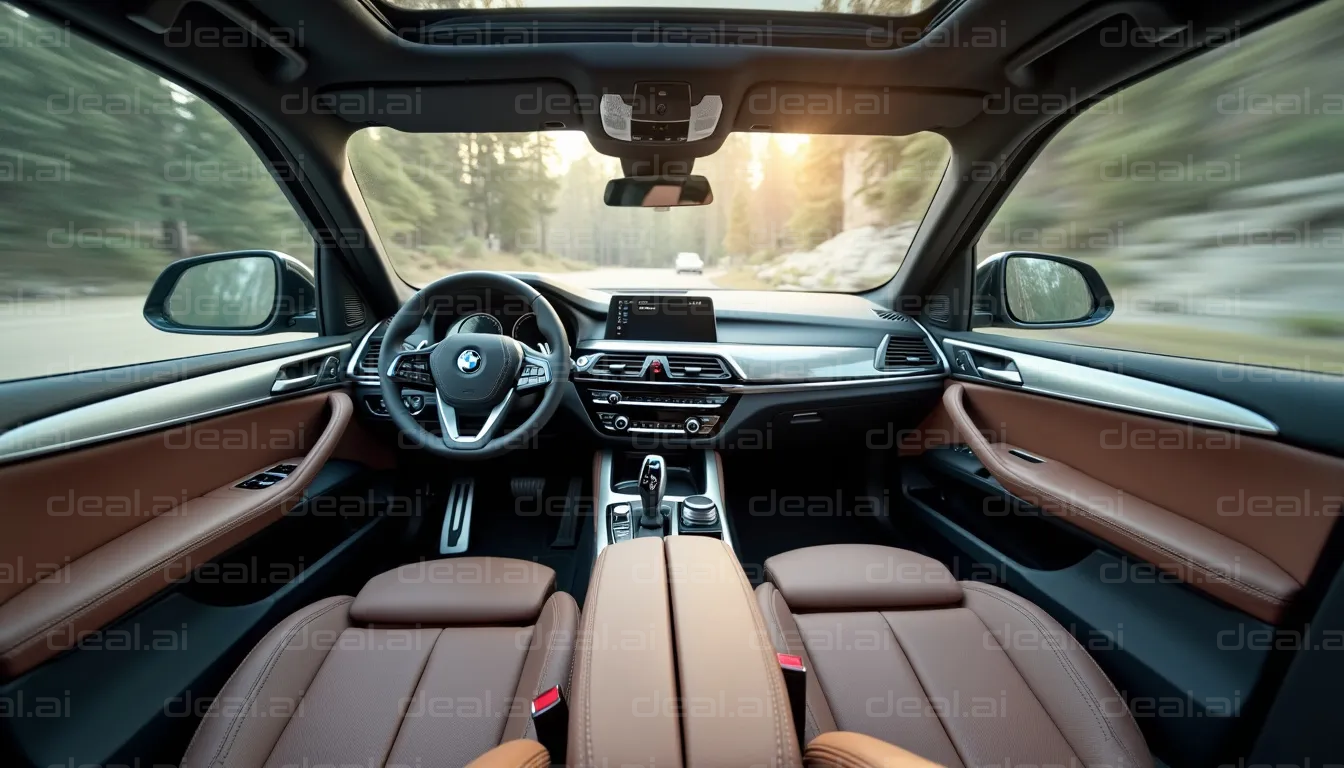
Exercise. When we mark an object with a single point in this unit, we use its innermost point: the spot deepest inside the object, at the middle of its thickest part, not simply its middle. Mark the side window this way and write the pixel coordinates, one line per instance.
(1211, 200)
(108, 173)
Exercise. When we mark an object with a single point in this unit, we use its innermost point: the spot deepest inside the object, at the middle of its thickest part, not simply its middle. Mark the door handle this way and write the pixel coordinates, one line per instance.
(1008, 376)
(282, 386)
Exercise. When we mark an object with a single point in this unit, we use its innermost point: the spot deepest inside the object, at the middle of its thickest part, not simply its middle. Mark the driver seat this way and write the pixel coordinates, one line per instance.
(433, 663)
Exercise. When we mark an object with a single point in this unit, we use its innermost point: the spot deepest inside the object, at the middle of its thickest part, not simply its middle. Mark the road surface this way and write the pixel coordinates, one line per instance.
(637, 278)
(44, 337)
(50, 336)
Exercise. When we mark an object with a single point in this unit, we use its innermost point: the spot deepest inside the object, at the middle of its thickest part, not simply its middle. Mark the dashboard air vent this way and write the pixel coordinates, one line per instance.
(702, 367)
(618, 364)
(368, 364)
(887, 314)
(907, 352)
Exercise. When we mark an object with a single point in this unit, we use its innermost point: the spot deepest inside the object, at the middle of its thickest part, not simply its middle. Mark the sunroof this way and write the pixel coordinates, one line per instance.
(868, 7)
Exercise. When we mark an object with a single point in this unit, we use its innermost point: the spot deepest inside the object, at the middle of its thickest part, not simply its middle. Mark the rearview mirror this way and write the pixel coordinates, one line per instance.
(243, 293)
(658, 191)
(1019, 289)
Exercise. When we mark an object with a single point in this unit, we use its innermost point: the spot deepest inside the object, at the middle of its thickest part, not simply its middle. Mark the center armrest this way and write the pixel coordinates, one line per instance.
(735, 710)
(624, 687)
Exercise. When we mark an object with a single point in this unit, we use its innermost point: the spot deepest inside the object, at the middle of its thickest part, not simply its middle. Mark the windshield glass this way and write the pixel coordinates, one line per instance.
(818, 213)
(871, 7)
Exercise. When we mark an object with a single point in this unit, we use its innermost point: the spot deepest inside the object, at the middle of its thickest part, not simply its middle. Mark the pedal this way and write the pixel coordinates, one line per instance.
(456, 531)
(527, 487)
(567, 536)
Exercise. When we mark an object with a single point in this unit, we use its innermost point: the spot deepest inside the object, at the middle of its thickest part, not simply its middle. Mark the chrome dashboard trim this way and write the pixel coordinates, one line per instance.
(160, 407)
(352, 369)
(759, 364)
(1070, 381)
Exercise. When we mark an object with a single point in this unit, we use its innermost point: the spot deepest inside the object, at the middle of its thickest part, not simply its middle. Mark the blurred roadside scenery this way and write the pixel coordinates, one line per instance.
(1211, 197)
(789, 212)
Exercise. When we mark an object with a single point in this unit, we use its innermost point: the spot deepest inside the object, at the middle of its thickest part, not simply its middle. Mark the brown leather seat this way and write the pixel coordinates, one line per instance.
(434, 663)
(959, 673)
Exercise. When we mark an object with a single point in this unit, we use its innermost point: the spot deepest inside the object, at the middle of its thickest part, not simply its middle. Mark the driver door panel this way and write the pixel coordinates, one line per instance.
(99, 528)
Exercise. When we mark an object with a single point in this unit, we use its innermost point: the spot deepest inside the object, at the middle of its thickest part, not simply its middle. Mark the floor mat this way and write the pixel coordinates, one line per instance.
(505, 526)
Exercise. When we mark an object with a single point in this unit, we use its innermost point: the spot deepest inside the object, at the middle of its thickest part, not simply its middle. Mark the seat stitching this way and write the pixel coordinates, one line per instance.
(774, 616)
(923, 689)
(763, 639)
(1075, 676)
(587, 665)
(415, 687)
(546, 660)
(260, 682)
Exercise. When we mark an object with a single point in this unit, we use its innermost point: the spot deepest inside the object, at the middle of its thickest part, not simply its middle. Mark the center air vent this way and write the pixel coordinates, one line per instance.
(618, 364)
(701, 367)
(907, 352)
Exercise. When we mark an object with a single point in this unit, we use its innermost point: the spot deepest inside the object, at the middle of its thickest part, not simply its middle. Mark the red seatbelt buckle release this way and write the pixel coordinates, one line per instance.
(795, 683)
(550, 718)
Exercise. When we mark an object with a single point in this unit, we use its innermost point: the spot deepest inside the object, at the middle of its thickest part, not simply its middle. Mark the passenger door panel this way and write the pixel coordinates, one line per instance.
(1170, 548)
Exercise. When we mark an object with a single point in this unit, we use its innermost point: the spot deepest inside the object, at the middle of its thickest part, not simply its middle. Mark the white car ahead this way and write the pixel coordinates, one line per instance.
(690, 262)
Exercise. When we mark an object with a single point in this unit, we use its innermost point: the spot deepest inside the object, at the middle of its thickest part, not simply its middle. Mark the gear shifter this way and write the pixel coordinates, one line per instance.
(652, 482)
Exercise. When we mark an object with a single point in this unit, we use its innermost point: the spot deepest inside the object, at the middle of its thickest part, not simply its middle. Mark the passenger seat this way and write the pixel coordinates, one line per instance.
(959, 673)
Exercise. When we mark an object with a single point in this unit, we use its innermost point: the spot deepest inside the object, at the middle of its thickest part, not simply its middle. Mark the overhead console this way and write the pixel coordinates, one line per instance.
(660, 113)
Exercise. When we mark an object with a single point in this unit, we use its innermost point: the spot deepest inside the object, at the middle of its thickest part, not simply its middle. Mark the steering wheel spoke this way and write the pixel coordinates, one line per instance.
(535, 372)
(452, 432)
(412, 367)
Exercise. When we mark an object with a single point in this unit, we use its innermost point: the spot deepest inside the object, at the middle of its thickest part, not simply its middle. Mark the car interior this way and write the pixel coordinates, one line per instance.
(654, 501)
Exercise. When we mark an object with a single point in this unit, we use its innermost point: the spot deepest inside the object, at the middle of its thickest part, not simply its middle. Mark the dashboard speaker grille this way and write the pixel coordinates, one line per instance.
(354, 312)
(887, 314)
(940, 310)
(619, 364)
(907, 352)
(701, 367)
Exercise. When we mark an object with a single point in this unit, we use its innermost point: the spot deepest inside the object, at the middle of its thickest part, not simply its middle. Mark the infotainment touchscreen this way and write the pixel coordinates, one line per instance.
(661, 318)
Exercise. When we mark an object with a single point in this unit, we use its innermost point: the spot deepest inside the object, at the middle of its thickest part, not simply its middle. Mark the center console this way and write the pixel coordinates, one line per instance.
(632, 394)
(652, 495)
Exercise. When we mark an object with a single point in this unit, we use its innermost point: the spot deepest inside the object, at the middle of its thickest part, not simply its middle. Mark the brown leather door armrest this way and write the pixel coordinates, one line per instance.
(1197, 554)
(522, 753)
(842, 749)
(54, 613)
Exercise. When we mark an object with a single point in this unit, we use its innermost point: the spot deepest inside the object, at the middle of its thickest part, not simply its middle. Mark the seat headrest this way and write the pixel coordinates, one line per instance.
(456, 591)
(853, 577)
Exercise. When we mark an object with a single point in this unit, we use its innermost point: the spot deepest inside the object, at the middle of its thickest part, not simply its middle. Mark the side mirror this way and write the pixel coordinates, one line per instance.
(1019, 289)
(242, 293)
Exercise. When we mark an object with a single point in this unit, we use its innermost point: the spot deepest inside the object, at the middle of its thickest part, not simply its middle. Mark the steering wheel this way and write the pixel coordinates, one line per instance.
(478, 374)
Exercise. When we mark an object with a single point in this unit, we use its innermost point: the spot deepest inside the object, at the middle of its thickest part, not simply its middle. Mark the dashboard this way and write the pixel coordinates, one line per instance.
(705, 368)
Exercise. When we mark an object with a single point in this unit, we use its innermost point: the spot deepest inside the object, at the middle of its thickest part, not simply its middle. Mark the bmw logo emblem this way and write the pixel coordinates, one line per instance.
(469, 361)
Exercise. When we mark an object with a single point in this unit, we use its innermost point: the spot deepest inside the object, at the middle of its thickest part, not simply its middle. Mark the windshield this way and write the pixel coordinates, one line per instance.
(873, 7)
(790, 212)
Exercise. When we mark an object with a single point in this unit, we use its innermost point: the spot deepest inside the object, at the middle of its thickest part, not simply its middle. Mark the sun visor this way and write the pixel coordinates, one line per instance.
(465, 108)
(843, 110)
